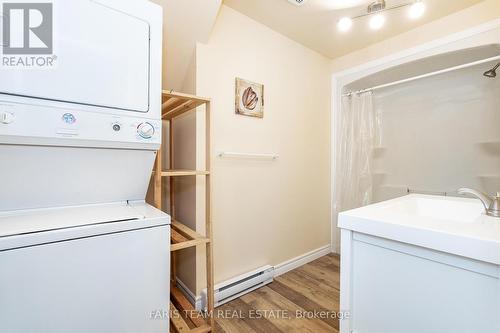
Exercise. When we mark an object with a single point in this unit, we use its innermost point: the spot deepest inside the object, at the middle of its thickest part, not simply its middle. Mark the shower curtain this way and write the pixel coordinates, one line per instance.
(355, 140)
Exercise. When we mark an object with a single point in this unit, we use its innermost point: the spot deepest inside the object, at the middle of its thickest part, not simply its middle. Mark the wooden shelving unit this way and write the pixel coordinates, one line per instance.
(177, 173)
(183, 237)
(173, 105)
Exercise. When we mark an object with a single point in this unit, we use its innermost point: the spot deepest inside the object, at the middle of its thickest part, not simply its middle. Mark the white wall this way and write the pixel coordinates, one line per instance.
(266, 212)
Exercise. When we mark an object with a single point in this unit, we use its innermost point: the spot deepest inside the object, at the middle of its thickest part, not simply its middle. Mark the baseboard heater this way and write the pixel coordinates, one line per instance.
(234, 288)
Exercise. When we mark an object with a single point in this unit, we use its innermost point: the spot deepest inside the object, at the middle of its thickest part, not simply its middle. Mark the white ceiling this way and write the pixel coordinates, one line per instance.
(187, 22)
(314, 23)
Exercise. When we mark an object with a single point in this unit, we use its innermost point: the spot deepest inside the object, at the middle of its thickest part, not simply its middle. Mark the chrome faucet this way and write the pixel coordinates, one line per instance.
(491, 204)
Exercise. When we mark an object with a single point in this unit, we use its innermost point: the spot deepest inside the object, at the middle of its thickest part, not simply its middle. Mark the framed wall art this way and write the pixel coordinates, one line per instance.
(249, 98)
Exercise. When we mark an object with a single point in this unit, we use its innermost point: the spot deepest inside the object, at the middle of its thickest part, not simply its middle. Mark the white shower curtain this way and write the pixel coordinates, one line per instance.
(355, 140)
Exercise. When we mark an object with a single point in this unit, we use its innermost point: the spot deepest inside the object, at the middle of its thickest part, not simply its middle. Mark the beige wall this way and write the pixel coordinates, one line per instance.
(184, 23)
(483, 12)
(269, 212)
(266, 212)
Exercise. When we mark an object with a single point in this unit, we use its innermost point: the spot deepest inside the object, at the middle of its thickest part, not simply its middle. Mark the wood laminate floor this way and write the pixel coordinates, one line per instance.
(294, 302)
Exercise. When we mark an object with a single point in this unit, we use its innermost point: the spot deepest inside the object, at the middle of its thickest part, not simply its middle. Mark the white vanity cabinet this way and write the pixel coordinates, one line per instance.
(408, 267)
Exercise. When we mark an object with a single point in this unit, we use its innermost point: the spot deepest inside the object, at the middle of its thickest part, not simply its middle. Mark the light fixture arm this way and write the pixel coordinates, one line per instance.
(376, 8)
(385, 9)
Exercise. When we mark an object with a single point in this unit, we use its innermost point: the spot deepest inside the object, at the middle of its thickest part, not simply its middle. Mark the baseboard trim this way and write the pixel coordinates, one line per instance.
(192, 298)
(301, 260)
(279, 269)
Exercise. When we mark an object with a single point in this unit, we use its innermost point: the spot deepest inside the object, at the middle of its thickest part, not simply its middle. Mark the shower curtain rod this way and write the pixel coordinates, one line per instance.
(423, 76)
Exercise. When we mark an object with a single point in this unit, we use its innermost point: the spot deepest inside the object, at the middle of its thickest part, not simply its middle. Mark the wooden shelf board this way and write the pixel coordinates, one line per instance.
(177, 238)
(202, 329)
(180, 172)
(188, 319)
(166, 94)
(184, 237)
(178, 324)
(169, 113)
(174, 104)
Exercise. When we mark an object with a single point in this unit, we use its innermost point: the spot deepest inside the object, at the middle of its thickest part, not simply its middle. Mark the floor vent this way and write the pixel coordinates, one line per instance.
(234, 288)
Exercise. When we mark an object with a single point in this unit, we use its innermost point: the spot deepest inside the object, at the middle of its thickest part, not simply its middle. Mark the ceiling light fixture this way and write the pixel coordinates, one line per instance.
(375, 10)
(344, 24)
(377, 21)
(416, 10)
(376, 6)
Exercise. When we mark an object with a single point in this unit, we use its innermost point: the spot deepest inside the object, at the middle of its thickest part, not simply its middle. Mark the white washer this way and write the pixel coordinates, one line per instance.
(99, 269)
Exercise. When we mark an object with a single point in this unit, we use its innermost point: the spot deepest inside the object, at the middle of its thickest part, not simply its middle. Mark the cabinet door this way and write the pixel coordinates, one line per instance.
(111, 283)
(400, 288)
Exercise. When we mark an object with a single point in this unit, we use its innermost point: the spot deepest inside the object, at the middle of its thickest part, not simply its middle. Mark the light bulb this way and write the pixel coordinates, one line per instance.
(377, 21)
(344, 24)
(417, 10)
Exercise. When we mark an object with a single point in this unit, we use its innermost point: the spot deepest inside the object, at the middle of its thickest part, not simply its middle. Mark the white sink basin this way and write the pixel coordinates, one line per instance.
(451, 209)
(448, 224)
(435, 256)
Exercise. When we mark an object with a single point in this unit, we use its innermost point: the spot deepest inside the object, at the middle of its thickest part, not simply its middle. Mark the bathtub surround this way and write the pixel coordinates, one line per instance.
(439, 134)
(471, 27)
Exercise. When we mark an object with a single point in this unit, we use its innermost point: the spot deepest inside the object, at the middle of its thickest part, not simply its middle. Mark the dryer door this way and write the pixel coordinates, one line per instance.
(102, 58)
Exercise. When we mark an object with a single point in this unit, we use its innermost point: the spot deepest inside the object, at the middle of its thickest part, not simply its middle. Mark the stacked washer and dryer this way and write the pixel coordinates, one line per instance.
(80, 250)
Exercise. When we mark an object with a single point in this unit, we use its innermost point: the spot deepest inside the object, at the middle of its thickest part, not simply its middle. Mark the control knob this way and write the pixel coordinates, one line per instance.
(146, 130)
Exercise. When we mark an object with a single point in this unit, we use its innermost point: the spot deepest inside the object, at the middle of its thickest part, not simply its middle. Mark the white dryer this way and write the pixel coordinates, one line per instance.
(80, 250)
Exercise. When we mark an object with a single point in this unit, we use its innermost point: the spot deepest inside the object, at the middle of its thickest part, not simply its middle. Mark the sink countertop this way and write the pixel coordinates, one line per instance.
(453, 225)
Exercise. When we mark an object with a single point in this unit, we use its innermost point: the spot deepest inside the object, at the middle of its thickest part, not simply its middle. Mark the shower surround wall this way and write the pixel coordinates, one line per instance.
(438, 134)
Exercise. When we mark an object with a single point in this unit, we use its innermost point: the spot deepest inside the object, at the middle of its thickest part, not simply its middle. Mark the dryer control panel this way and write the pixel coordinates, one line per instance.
(35, 124)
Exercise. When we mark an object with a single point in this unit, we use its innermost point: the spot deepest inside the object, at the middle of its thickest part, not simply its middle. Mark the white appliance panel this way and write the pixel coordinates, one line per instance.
(23, 228)
(103, 59)
(44, 176)
(103, 284)
(24, 123)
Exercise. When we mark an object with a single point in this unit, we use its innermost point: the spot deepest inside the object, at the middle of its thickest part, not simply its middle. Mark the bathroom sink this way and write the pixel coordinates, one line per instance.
(454, 209)
(420, 254)
(448, 224)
